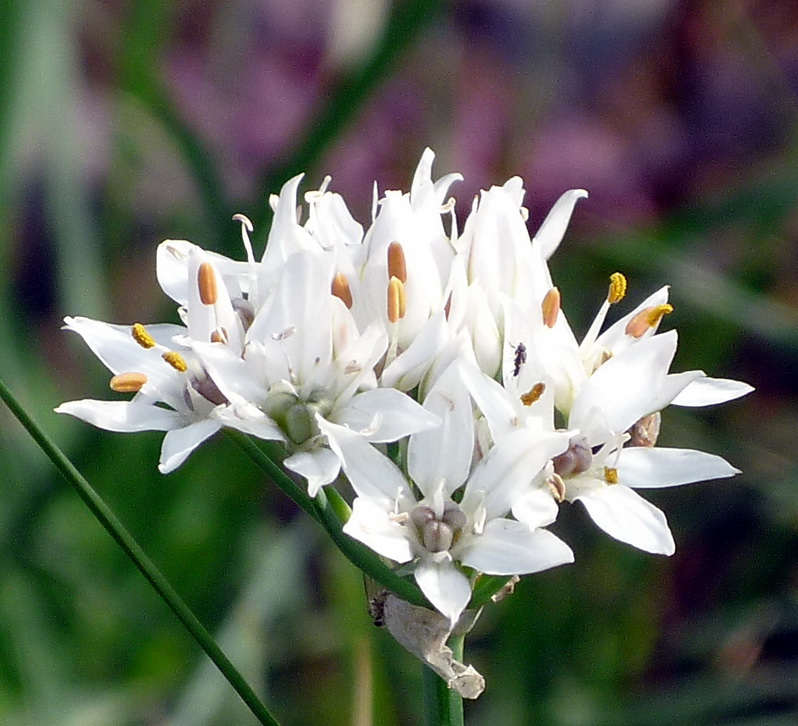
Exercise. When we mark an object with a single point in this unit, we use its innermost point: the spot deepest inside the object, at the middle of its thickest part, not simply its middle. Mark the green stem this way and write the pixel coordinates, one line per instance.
(443, 705)
(487, 586)
(325, 513)
(124, 539)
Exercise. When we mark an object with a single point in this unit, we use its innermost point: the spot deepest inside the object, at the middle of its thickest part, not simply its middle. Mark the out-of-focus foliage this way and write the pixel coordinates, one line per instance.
(124, 123)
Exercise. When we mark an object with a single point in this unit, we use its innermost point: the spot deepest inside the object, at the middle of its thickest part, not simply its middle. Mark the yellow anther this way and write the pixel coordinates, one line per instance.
(220, 335)
(657, 313)
(341, 290)
(396, 262)
(646, 319)
(533, 394)
(177, 361)
(141, 336)
(610, 475)
(617, 290)
(206, 280)
(128, 382)
(397, 302)
(551, 307)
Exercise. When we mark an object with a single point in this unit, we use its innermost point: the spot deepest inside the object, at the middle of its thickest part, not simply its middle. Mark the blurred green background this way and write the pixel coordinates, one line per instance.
(125, 123)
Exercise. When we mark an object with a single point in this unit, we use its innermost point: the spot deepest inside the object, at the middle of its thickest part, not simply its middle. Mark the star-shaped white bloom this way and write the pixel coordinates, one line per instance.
(453, 515)
(598, 471)
(149, 362)
(303, 359)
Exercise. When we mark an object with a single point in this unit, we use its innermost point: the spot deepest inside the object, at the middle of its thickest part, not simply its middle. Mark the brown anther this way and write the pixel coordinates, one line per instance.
(177, 361)
(551, 307)
(533, 394)
(610, 475)
(556, 487)
(397, 303)
(646, 319)
(396, 262)
(141, 336)
(128, 382)
(617, 290)
(206, 281)
(340, 288)
(448, 307)
(220, 335)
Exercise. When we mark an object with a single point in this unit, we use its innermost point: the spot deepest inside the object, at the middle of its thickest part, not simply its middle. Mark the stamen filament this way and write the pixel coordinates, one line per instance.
(246, 229)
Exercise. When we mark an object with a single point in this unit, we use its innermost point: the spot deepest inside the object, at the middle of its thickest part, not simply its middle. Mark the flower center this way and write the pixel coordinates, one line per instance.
(296, 418)
(576, 459)
(438, 534)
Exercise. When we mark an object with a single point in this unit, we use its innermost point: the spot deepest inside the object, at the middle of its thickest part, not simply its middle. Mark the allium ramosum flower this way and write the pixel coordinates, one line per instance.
(447, 515)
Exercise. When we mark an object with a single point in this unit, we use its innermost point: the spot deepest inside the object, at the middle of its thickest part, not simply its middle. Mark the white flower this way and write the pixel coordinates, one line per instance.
(503, 264)
(303, 360)
(440, 531)
(149, 363)
(598, 471)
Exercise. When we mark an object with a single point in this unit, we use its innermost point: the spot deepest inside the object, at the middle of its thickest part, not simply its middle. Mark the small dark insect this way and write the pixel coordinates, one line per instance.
(520, 358)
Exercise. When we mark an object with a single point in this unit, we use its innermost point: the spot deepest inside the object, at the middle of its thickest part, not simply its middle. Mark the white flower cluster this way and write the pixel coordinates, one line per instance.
(340, 343)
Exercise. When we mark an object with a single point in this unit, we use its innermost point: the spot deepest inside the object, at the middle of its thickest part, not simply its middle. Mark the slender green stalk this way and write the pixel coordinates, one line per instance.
(487, 586)
(124, 539)
(325, 513)
(443, 706)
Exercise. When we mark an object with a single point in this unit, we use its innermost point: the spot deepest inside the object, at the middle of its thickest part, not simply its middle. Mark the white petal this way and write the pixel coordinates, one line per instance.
(615, 337)
(553, 228)
(506, 472)
(444, 454)
(249, 419)
(123, 416)
(300, 315)
(445, 587)
(371, 524)
(286, 236)
(709, 391)
(506, 547)
(536, 508)
(371, 473)
(407, 370)
(630, 385)
(120, 353)
(319, 467)
(179, 443)
(484, 332)
(644, 467)
(394, 413)
(625, 515)
(171, 261)
(491, 399)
